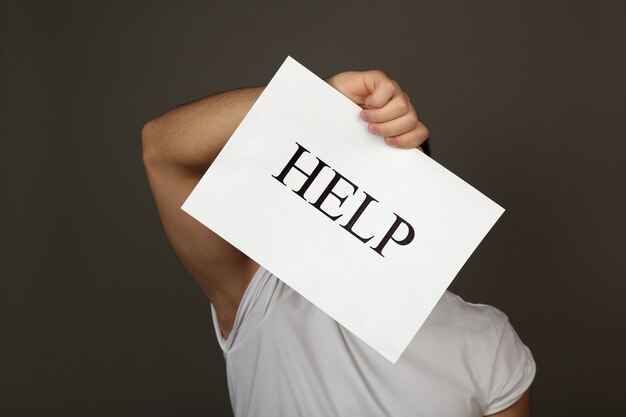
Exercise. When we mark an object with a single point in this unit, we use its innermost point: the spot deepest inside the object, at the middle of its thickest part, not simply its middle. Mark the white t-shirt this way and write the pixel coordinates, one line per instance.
(285, 357)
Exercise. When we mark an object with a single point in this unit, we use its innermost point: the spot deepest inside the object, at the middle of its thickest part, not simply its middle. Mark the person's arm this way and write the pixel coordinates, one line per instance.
(521, 408)
(179, 146)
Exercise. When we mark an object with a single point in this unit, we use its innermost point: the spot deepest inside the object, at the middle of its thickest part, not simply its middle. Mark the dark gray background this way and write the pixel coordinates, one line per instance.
(524, 100)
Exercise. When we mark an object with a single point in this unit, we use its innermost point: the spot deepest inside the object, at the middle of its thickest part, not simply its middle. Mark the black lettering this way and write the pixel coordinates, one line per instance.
(292, 164)
(348, 226)
(329, 190)
(409, 237)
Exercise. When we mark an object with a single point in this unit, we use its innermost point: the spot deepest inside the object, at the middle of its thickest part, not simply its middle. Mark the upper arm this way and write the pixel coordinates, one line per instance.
(220, 269)
(521, 408)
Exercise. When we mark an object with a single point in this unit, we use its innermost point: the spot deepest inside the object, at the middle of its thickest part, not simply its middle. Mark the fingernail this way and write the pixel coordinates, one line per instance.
(363, 115)
(391, 141)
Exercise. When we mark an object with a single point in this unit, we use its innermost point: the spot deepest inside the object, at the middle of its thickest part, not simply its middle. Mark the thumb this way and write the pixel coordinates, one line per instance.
(366, 88)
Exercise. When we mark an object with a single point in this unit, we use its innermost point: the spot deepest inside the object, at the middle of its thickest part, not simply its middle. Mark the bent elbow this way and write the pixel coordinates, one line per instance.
(149, 137)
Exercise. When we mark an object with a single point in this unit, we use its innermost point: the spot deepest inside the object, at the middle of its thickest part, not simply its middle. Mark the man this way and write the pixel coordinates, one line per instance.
(284, 356)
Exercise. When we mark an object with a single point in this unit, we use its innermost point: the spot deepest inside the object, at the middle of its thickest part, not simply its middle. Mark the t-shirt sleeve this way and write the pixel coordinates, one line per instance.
(512, 372)
(263, 293)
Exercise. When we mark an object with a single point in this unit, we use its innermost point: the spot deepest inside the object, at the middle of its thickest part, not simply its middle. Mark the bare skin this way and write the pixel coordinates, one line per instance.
(180, 145)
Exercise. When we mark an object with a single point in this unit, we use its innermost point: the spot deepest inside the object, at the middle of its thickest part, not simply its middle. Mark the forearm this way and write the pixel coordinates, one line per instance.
(189, 137)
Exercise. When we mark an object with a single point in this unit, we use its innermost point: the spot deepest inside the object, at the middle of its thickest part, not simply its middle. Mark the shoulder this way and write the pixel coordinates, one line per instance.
(482, 341)
(463, 335)
(455, 315)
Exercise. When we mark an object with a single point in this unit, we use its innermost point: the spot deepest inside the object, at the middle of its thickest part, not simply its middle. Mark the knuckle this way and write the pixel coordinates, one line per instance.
(385, 87)
(382, 74)
(403, 106)
(424, 132)
(378, 74)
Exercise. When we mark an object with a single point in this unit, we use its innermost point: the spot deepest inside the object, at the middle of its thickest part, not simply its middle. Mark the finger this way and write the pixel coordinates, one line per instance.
(395, 127)
(412, 139)
(382, 89)
(398, 106)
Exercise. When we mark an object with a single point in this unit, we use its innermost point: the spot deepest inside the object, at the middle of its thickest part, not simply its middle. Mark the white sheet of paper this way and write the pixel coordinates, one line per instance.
(383, 298)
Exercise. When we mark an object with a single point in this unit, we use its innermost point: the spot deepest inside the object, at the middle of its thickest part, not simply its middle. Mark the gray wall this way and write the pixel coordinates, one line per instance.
(524, 100)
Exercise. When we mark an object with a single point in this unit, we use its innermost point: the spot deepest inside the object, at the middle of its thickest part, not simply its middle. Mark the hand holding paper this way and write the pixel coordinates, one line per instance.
(306, 190)
(386, 107)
